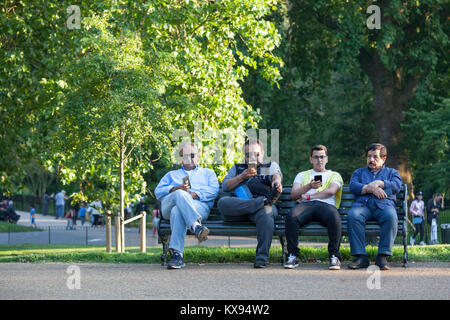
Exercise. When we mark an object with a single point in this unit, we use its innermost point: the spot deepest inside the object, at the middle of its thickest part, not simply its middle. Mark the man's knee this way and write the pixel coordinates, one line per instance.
(265, 217)
(223, 202)
(174, 212)
(356, 215)
(180, 194)
(389, 215)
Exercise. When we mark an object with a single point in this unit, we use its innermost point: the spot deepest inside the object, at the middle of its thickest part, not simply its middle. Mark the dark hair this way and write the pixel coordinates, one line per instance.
(319, 147)
(377, 146)
(156, 205)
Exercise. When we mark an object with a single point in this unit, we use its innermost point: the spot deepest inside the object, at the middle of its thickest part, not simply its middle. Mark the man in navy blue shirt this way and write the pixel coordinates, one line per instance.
(375, 188)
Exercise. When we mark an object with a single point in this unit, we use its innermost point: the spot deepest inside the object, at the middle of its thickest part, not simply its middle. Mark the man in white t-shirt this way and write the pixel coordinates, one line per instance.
(318, 194)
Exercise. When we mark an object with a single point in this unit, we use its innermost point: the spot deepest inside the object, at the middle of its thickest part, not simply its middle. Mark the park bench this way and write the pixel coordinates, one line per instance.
(219, 227)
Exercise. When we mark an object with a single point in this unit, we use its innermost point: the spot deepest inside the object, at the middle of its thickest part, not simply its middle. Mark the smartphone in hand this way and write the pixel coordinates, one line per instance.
(186, 181)
(252, 165)
(318, 178)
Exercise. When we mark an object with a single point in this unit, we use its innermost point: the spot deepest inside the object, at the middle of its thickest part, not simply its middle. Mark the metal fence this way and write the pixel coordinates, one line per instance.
(78, 236)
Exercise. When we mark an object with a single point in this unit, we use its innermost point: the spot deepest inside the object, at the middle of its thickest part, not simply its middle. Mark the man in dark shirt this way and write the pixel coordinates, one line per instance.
(433, 207)
(375, 188)
(264, 182)
(142, 206)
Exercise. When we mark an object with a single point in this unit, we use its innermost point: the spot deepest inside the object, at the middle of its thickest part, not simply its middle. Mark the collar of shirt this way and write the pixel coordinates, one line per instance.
(188, 172)
(375, 173)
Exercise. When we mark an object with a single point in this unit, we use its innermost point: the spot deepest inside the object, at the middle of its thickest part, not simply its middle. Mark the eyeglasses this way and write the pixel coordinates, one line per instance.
(376, 158)
(254, 154)
(189, 155)
(319, 157)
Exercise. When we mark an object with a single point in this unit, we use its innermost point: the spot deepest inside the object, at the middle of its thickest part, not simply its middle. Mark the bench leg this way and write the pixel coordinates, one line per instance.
(405, 251)
(165, 244)
(283, 249)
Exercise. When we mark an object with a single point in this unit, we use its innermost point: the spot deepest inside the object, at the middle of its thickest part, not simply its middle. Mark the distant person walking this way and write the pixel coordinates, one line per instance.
(45, 203)
(418, 213)
(94, 210)
(69, 216)
(82, 213)
(33, 216)
(433, 207)
(156, 218)
(60, 199)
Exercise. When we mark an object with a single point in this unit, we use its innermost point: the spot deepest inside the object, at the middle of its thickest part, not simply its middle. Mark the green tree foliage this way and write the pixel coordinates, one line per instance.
(345, 85)
(133, 69)
(430, 130)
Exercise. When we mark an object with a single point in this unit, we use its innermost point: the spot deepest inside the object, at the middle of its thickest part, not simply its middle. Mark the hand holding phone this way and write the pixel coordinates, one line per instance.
(318, 178)
(252, 165)
(186, 181)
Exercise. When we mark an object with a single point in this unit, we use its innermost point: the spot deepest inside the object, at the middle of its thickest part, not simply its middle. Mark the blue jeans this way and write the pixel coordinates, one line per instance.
(182, 210)
(356, 225)
(59, 211)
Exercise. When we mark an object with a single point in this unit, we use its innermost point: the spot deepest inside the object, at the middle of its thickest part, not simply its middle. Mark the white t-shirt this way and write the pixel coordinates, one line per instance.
(299, 180)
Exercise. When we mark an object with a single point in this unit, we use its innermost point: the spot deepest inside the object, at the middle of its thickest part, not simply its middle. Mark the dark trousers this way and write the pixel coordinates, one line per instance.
(419, 229)
(262, 216)
(318, 211)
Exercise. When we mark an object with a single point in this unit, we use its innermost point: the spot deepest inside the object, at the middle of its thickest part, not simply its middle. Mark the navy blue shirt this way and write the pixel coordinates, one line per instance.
(392, 184)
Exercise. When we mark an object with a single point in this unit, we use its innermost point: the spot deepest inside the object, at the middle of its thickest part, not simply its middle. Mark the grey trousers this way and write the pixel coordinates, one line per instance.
(262, 216)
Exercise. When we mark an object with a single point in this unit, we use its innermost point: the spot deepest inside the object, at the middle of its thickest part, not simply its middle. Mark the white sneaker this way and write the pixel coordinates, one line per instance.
(411, 241)
(335, 264)
(291, 263)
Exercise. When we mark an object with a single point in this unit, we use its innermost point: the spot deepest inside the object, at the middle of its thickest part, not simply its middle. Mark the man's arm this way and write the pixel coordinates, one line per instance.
(165, 186)
(277, 176)
(356, 186)
(231, 181)
(298, 190)
(324, 194)
(394, 183)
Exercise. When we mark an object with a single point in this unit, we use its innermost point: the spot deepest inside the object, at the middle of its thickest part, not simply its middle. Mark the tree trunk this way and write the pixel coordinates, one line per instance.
(122, 207)
(392, 93)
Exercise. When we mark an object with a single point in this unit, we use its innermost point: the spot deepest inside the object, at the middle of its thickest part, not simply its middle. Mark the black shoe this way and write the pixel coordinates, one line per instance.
(259, 265)
(361, 261)
(176, 262)
(273, 196)
(381, 262)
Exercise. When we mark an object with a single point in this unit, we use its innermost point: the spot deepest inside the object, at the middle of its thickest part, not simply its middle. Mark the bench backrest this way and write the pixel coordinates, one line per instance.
(285, 203)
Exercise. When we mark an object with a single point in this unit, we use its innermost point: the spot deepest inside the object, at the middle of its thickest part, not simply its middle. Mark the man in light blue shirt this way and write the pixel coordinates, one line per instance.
(186, 196)
(60, 200)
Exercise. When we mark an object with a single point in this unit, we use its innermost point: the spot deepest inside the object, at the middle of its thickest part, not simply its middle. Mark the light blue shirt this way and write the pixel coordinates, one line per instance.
(203, 182)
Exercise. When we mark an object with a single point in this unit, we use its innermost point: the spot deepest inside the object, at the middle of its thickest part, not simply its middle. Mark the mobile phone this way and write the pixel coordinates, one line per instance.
(186, 181)
(318, 178)
(252, 165)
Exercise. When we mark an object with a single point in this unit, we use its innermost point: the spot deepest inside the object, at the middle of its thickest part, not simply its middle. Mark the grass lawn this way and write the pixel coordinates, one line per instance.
(10, 227)
(196, 254)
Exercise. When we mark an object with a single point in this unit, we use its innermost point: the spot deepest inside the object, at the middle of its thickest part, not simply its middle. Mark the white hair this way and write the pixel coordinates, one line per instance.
(184, 144)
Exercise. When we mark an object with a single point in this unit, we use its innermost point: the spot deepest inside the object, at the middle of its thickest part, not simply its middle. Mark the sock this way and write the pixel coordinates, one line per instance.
(194, 225)
(181, 253)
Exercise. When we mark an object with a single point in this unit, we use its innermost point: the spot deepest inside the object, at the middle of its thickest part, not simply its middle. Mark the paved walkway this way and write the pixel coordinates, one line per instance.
(92, 281)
